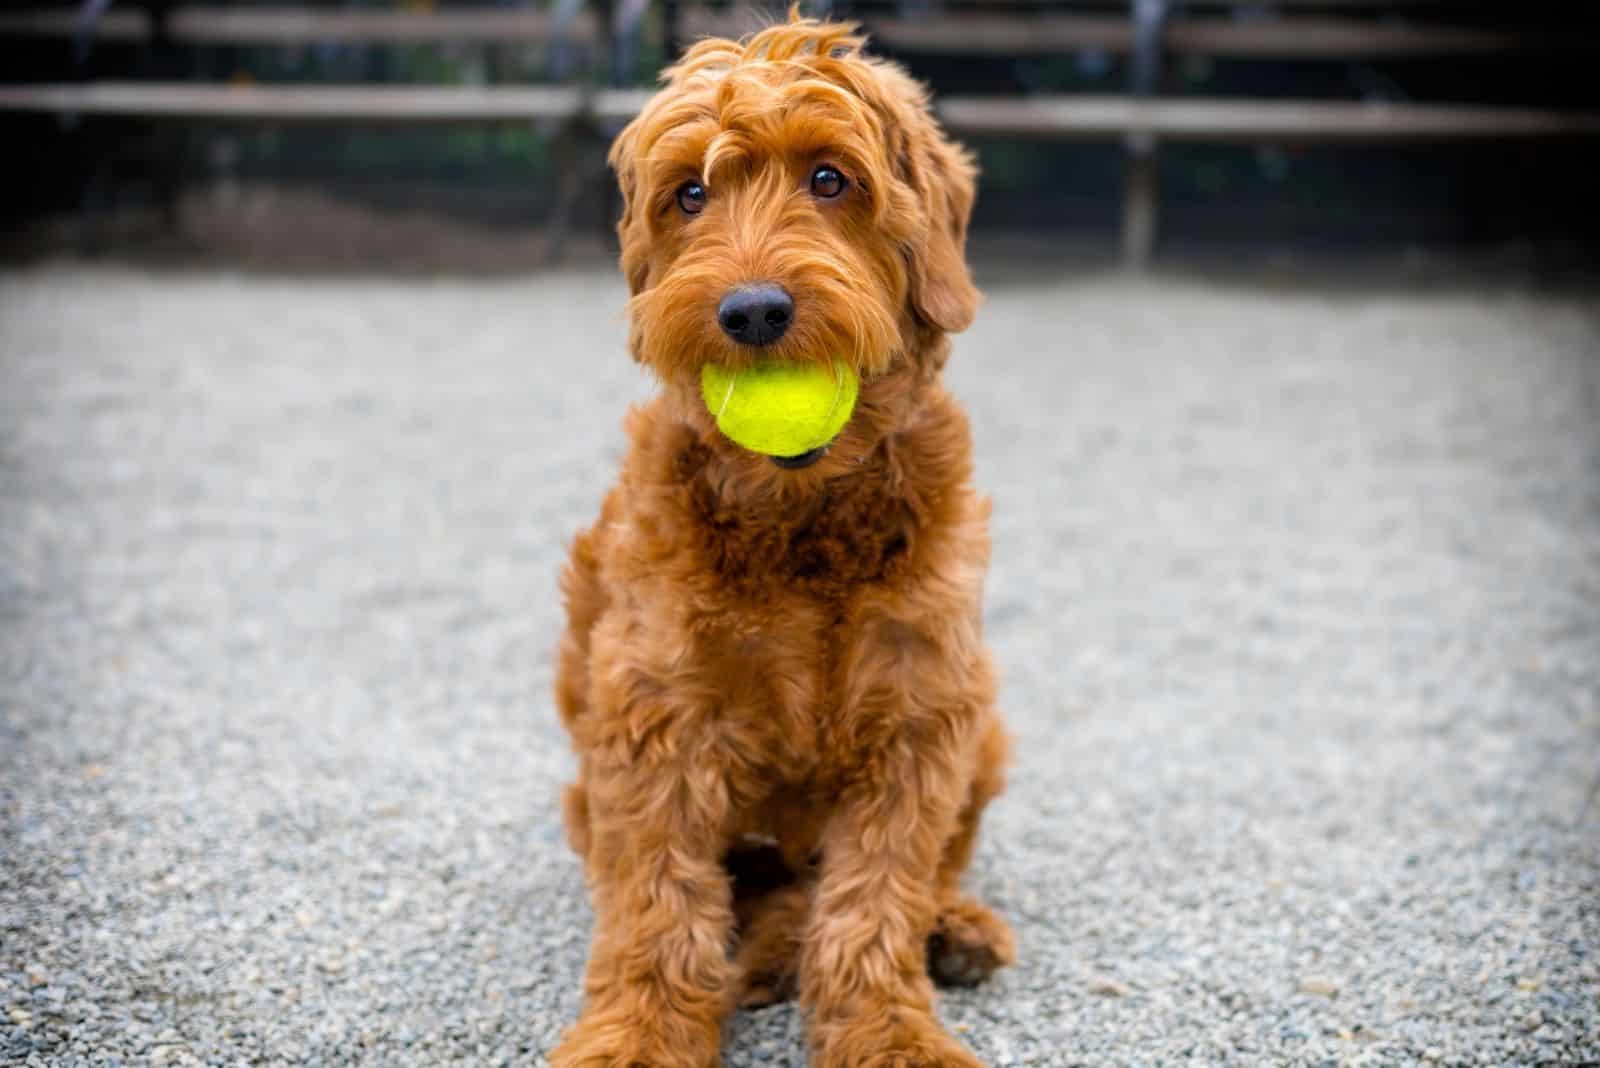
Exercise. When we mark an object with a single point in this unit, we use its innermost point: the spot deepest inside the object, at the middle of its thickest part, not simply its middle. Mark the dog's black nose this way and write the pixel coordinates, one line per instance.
(756, 315)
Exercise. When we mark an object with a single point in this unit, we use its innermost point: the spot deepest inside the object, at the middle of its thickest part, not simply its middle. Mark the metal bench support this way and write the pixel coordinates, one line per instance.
(1142, 186)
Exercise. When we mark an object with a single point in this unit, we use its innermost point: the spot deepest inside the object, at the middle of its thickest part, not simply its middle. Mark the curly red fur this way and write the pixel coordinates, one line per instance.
(775, 680)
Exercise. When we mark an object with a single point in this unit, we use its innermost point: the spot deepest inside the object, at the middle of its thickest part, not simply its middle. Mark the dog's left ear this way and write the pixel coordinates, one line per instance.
(944, 177)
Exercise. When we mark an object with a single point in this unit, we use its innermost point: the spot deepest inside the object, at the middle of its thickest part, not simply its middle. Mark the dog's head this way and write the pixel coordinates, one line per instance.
(786, 197)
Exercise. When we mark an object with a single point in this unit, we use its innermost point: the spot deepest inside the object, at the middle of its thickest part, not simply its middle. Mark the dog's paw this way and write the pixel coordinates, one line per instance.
(902, 1038)
(969, 944)
(608, 1043)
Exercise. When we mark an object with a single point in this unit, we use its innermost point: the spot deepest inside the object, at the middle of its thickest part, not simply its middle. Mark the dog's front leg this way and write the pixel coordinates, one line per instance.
(659, 980)
(863, 973)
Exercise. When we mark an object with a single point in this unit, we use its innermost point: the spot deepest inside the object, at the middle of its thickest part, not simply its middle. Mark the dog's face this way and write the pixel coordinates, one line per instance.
(787, 198)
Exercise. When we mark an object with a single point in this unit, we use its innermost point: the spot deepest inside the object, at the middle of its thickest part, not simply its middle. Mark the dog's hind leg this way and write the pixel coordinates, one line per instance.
(771, 903)
(584, 594)
(970, 940)
(770, 934)
(586, 600)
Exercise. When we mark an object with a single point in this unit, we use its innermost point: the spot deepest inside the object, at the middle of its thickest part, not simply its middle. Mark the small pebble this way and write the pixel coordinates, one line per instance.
(1319, 985)
(1105, 986)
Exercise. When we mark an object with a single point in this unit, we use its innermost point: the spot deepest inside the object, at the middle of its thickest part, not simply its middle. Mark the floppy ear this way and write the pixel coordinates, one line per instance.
(943, 176)
(632, 232)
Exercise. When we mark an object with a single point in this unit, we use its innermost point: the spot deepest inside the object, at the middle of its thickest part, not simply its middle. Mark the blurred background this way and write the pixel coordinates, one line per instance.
(309, 132)
(1286, 390)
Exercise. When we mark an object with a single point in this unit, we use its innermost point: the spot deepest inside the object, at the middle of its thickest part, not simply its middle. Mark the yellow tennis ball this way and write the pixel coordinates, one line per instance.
(781, 409)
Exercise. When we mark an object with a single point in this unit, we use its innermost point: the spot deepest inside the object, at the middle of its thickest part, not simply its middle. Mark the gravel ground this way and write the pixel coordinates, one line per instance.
(1296, 589)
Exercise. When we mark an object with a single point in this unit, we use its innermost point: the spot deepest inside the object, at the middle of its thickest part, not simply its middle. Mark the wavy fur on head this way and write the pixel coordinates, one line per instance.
(775, 680)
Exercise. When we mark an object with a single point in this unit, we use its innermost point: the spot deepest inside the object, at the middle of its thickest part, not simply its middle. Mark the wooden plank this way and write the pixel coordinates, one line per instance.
(1333, 38)
(1201, 119)
(619, 105)
(1293, 37)
(112, 26)
(975, 33)
(967, 33)
(300, 26)
(298, 103)
(246, 26)
(1045, 117)
(1004, 34)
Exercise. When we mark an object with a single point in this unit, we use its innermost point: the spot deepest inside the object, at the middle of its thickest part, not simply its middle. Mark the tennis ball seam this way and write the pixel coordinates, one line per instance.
(733, 380)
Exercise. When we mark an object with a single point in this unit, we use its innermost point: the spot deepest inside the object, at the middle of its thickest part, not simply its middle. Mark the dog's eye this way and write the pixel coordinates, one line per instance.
(826, 182)
(692, 198)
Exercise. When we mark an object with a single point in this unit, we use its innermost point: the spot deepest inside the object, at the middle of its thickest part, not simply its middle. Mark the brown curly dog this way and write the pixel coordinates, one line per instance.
(774, 672)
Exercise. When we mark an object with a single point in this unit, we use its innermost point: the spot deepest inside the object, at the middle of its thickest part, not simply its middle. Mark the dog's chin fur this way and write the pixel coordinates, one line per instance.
(791, 657)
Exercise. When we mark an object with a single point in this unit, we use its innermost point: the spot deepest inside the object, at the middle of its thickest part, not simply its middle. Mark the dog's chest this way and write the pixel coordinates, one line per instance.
(832, 549)
(823, 626)
(774, 667)
(806, 689)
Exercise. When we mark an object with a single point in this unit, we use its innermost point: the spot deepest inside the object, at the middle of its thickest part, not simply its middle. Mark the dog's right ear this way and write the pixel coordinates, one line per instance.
(631, 229)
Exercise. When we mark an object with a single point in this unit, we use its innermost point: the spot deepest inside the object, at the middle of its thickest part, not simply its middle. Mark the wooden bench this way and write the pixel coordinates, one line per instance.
(566, 106)
(1142, 120)
(1146, 31)
(1157, 32)
(1081, 117)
